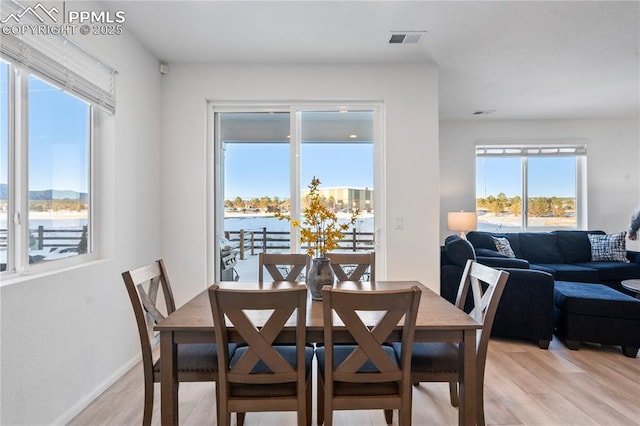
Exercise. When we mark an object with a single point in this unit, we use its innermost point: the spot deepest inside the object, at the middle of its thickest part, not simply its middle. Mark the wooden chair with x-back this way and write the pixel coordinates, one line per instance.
(353, 266)
(261, 376)
(283, 266)
(196, 362)
(368, 375)
(439, 361)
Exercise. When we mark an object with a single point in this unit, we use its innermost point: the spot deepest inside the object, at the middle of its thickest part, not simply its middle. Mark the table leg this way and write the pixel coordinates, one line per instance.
(169, 379)
(468, 405)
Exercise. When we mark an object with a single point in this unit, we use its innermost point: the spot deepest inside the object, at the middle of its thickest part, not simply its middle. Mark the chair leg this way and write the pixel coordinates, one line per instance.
(218, 420)
(240, 418)
(309, 401)
(224, 416)
(480, 416)
(480, 403)
(453, 393)
(388, 416)
(327, 404)
(148, 402)
(320, 400)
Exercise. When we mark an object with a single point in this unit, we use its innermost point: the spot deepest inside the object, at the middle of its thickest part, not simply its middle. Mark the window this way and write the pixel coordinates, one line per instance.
(45, 175)
(534, 188)
(266, 163)
(51, 89)
(4, 163)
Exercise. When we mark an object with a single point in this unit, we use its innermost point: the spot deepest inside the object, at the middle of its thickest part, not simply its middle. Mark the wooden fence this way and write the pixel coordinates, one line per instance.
(41, 237)
(263, 240)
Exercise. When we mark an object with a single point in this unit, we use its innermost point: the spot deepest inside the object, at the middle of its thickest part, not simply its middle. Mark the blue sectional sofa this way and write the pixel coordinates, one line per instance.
(566, 255)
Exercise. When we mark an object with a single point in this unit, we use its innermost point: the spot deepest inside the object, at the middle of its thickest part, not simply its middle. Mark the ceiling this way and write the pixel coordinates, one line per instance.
(520, 59)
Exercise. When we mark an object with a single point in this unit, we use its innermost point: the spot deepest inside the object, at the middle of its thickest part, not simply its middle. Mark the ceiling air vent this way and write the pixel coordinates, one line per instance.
(406, 37)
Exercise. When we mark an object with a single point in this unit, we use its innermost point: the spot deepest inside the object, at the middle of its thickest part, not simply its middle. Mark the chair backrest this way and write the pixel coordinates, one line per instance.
(487, 285)
(291, 264)
(277, 308)
(143, 285)
(353, 266)
(388, 308)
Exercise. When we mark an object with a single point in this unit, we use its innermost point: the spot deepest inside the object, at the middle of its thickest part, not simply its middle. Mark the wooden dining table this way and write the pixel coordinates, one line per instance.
(437, 321)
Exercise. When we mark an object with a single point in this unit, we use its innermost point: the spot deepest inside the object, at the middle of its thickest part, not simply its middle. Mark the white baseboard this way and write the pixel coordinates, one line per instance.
(68, 415)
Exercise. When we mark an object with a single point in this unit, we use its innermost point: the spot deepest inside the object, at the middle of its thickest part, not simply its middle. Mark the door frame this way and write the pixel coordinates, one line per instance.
(214, 175)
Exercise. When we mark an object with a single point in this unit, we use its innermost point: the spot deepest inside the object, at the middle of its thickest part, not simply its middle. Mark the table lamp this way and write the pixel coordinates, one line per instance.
(462, 221)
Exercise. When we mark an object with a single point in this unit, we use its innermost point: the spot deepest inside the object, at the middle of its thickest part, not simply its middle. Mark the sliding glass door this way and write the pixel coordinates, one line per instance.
(264, 162)
(337, 148)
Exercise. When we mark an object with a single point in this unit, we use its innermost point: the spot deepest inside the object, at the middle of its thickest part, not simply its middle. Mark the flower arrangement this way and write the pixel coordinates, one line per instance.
(320, 228)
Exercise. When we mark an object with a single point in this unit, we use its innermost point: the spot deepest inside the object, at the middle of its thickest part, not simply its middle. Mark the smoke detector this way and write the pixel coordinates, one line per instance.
(406, 37)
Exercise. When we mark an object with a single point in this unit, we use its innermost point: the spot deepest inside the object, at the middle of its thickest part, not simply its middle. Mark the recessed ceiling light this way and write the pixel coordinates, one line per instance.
(353, 136)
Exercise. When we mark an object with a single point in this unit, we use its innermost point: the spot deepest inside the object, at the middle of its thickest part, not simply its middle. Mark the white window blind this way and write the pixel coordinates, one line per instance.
(60, 61)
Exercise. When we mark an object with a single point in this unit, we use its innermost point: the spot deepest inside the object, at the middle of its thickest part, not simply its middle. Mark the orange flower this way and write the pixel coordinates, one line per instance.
(320, 227)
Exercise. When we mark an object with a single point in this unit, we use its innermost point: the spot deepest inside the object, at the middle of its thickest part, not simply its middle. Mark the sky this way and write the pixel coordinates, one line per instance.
(547, 176)
(58, 133)
(262, 169)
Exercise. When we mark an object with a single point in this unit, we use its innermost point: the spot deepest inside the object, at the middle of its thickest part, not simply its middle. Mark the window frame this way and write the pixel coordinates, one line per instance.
(17, 264)
(215, 212)
(550, 149)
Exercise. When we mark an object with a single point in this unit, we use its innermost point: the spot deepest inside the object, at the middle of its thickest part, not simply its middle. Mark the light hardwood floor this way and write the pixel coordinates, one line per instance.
(524, 385)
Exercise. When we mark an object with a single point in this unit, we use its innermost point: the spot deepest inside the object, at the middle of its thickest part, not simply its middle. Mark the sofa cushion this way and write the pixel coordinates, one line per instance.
(540, 247)
(503, 262)
(481, 239)
(614, 271)
(543, 269)
(572, 272)
(488, 252)
(575, 246)
(459, 251)
(608, 248)
(503, 246)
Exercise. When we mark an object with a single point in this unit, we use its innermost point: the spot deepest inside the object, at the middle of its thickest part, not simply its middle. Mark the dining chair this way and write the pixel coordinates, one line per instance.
(291, 264)
(197, 362)
(439, 361)
(366, 375)
(260, 376)
(354, 266)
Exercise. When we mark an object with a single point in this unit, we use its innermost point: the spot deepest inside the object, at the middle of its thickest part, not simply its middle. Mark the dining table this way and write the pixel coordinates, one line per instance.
(437, 321)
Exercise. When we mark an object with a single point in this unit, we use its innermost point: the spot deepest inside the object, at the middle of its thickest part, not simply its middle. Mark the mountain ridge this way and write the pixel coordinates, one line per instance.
(47, 194)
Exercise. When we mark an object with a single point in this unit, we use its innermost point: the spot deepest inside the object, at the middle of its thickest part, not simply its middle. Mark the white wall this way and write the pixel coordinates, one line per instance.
(66, 336)
(613, 175)
(409, 93)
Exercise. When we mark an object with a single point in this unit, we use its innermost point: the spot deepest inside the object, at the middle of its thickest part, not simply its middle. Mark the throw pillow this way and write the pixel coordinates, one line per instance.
(609, 247)
(503, 246)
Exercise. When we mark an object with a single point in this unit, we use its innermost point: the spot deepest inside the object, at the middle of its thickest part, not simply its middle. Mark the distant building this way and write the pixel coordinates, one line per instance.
(346, 199)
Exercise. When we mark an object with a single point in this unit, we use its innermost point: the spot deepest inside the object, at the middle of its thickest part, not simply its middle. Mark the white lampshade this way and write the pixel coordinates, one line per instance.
(462, 221)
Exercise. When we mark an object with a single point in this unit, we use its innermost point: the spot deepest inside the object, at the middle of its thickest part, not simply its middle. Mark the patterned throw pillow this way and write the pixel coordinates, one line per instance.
(608, 248)
(503, 246)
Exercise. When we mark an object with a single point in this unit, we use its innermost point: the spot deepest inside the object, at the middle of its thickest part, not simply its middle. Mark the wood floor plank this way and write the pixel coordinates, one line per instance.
(524, 385)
